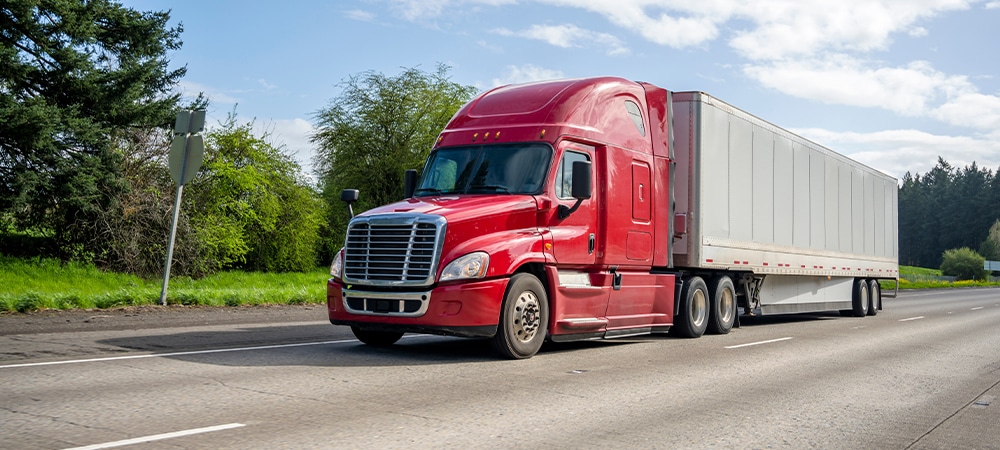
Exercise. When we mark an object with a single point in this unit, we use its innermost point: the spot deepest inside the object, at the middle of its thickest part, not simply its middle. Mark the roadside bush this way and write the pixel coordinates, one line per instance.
(963, 263)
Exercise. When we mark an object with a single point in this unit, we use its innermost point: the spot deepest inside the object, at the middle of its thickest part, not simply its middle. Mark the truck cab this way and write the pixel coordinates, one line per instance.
(532, 219)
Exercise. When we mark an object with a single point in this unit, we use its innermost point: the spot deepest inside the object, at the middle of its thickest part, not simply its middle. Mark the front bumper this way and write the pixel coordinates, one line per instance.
(466, 309)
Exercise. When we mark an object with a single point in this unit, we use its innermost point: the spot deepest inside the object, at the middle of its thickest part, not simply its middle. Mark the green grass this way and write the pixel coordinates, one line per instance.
(39, 283)
(921, 278)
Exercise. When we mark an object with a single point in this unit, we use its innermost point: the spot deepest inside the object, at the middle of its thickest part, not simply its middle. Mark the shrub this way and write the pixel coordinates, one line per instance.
(963, 263)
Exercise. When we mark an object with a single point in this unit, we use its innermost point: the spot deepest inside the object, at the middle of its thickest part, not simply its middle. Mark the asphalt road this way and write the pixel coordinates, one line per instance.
(924, 373)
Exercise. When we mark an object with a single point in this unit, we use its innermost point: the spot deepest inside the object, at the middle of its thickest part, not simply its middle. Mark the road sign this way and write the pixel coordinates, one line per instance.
(188, 147)
(993, 266)
(186, 154)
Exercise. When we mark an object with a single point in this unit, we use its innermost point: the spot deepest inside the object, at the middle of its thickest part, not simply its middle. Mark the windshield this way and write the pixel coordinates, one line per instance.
(486, 169)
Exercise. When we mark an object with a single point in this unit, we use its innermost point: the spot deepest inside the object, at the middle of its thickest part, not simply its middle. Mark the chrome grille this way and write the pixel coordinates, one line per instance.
(393, 249)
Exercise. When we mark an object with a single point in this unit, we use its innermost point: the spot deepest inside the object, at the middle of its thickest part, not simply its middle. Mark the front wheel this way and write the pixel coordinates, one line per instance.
(376, 338)
(524, 318)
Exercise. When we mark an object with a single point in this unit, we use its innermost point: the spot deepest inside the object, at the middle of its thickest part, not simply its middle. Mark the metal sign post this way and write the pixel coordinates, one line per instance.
(186, 154)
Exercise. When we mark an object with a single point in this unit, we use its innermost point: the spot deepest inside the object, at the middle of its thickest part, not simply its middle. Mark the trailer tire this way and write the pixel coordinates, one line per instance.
(860, 298)
(524, 318)
(693, 318)
(722, 309)
(376, 338)
(875, 297)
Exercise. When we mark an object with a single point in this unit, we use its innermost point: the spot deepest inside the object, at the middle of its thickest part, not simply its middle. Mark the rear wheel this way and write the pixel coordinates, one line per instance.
(376, 338)
(722, 309)
(524, 318)
(693, 318)
(875, 297)
(860, 298)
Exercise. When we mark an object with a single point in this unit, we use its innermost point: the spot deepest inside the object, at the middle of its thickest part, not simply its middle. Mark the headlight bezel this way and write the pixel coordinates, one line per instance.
(337, 265)
(471, 266)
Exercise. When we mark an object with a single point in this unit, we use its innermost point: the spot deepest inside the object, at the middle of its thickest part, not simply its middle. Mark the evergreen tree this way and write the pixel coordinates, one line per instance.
(72, 76)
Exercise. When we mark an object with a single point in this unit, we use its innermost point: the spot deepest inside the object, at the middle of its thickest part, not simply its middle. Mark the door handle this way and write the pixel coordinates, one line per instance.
(590, 244)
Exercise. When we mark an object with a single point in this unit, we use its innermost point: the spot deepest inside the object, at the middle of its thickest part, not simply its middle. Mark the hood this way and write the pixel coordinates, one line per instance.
(461, 208)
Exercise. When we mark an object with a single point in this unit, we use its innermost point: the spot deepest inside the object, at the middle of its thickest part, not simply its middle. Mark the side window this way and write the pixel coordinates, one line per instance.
(564, 178)
(636, 115)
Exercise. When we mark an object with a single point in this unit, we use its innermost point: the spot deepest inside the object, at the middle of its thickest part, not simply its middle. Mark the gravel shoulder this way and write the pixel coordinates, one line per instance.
(147, 317)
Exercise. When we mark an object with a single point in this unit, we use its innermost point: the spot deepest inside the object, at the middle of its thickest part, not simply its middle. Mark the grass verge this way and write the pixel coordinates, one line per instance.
(920, 278)
(42, 283)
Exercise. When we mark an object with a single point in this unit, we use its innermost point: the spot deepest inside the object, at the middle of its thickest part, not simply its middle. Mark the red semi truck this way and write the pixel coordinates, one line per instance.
(598, 208)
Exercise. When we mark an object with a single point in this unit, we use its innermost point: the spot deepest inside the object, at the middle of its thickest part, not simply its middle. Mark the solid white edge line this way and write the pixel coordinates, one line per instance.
(159, 437)
(160, 355)
(911, 318)
(759, 343)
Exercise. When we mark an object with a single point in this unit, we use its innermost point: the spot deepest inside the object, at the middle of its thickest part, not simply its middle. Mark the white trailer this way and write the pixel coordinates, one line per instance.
(799, 227)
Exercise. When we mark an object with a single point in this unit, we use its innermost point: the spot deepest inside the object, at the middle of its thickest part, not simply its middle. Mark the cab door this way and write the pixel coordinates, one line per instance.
(574, 238)
(581, 294)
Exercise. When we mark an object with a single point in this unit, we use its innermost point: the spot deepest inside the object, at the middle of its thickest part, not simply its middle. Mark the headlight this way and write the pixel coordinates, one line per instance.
(473, 265)
(337, 266)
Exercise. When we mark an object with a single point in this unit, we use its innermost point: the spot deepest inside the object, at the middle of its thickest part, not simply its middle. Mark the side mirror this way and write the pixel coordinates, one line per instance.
(349, 196)
(582, 181)
(409, 183)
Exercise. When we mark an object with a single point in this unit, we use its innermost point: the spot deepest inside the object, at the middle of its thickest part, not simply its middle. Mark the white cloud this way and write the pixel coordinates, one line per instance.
(567, 36)
(415, 10)
(360, 15)
(785, 28)
(267, 86)
(691, 24)
(993, 5)
(916, 89)
(896, 152)
(294, 135)
(525, 74)
(190, 89)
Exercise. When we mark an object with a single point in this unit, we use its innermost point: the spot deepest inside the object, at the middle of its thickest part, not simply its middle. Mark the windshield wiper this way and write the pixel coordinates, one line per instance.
(431, 191)
(492, 187)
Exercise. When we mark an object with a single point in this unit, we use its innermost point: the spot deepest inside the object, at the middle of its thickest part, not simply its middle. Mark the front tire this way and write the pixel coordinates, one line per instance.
(722, 312)
(524, 318)
(693, 318)
(376, 338)
(860, 298)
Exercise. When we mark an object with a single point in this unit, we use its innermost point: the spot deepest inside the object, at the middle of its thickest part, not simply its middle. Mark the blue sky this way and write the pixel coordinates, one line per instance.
(893, 84)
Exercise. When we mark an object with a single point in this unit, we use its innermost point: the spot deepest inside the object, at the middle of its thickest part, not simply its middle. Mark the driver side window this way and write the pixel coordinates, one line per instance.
(564, 178)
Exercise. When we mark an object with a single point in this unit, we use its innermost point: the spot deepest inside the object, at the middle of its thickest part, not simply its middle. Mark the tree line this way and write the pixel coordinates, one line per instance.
(948, 208)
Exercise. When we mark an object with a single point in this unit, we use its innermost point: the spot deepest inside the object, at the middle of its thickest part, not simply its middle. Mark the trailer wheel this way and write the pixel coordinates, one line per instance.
(722, 309)
(376, 338)
(875, 294)
(693, 318)
(860, 298)
(524, 318)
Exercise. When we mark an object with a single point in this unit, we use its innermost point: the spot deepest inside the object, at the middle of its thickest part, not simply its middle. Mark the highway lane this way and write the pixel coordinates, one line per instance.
(924, 373)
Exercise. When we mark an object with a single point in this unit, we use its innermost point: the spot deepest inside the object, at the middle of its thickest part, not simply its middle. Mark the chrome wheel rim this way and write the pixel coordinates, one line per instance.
(699, 308)
(727, 306)
(527, 316)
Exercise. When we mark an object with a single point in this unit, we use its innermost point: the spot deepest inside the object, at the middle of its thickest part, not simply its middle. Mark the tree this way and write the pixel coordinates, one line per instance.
(72, 75)
(378, 127)
(963, 263)
(945, 208)
(990, 248)
(250, 207)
